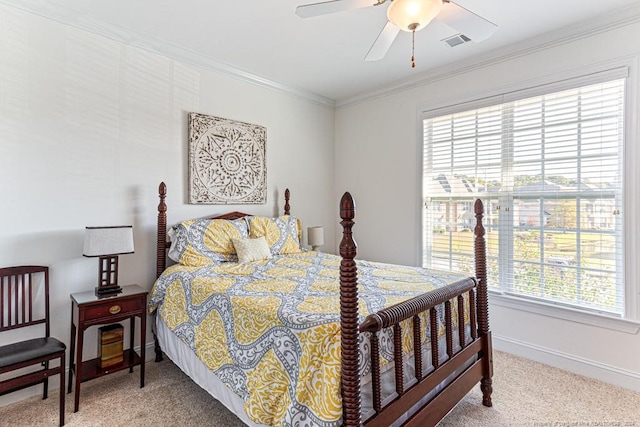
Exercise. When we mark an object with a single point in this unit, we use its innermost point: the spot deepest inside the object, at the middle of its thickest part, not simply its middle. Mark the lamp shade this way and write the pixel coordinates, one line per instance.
(409, 15)
(102, 241)
(315, 236)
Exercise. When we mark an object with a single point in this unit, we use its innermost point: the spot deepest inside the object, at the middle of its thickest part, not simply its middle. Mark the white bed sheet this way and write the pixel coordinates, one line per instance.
(183, 357)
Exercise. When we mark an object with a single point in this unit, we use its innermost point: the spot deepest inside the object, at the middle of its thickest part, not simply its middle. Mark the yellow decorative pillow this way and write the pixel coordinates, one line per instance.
(199, 242)
(282, 234)
(251, 249)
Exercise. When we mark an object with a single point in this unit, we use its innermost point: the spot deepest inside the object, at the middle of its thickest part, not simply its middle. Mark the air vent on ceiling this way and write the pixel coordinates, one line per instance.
(456, 40)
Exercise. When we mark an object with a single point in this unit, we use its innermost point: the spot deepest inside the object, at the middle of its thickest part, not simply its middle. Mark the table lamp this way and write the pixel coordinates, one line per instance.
(107, 243)
(315, 237)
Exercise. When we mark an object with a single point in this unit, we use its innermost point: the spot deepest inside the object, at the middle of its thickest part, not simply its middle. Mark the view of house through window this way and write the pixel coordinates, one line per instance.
(549, 170)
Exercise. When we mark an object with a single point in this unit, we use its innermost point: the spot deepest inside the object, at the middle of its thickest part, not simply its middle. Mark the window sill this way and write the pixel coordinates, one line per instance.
(564, 313)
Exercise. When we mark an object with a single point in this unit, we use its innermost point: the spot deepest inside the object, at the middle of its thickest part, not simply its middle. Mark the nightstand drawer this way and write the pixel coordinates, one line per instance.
(116, 308)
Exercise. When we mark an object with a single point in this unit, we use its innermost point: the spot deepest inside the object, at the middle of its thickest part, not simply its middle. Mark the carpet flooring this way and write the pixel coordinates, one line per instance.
(525, 393)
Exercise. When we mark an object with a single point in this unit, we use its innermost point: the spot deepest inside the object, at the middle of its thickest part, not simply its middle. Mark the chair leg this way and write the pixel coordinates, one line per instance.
(62, 390)
(45, 393)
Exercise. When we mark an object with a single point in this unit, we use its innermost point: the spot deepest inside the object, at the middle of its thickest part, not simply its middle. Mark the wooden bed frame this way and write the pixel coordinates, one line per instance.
(459, 373)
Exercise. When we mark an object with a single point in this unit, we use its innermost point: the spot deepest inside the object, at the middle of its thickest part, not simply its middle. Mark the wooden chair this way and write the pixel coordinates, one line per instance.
(23, 303)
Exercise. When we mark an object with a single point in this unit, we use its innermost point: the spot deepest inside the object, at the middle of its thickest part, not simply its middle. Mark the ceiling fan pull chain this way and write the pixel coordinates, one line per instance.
(413, 48)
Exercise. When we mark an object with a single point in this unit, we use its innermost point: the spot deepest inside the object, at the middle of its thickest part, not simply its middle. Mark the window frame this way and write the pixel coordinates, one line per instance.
(624, 68)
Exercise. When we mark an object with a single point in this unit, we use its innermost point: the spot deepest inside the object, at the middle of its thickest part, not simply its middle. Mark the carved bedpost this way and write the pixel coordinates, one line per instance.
(161, 251)
(287, 208)
(350, 375)
(162, 230)
(483, 305)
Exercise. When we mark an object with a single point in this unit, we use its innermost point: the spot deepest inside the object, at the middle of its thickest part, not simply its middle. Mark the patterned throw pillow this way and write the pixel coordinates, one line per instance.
(199, 242)
(282, 234)
(251, 249)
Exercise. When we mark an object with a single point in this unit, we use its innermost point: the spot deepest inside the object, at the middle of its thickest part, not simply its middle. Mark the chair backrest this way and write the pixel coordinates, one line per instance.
(20, 305)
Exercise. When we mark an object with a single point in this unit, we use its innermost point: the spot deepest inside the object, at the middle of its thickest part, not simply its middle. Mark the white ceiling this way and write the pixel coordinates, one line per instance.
(320, 57)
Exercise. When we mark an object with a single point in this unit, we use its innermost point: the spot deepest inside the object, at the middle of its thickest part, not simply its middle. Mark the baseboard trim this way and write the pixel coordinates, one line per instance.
(54, 382)
(576, 364)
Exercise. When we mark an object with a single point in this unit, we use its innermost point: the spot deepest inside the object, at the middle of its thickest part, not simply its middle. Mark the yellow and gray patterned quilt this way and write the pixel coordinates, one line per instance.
(270, 329)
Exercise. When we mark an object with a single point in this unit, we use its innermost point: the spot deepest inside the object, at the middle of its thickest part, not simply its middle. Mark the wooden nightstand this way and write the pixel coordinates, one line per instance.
(89, 310)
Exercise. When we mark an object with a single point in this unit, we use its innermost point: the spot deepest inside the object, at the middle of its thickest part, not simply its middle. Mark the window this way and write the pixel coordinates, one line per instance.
(549, 169)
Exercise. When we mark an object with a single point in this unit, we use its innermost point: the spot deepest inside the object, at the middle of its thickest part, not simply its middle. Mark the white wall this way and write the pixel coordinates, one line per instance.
(378, 160)
(90, 126)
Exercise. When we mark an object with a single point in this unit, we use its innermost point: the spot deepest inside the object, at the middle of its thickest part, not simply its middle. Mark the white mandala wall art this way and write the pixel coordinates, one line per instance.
(227, 161)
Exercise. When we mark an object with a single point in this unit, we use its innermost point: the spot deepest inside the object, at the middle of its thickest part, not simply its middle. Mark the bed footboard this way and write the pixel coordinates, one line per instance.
(408, 395)
(464, 365)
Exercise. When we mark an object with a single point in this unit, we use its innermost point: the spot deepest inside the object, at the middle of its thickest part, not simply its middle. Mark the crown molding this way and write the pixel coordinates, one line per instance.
(614, 19)
(162, 48)
(610, 21)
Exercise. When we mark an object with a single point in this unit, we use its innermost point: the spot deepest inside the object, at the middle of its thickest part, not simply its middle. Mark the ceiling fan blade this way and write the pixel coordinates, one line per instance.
(466, 22)
(317, 9)
(383, 42)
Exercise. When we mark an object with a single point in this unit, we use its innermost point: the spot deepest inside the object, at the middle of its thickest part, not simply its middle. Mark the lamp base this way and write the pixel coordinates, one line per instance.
(107, 291)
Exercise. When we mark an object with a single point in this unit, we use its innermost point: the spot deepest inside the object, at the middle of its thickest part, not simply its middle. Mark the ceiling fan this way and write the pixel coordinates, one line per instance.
(408, 15)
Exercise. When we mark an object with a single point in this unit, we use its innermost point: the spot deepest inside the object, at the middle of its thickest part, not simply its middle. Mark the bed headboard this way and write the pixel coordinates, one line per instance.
(163, 244)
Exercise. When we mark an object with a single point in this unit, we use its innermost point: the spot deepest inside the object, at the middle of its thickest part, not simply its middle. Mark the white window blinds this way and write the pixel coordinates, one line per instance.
(549, 169)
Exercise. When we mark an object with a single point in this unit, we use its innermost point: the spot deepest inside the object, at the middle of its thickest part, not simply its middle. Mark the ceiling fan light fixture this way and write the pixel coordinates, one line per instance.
(413, 15)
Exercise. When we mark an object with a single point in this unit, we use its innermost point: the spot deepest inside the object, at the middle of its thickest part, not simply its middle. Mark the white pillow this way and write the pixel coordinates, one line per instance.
(252, 249)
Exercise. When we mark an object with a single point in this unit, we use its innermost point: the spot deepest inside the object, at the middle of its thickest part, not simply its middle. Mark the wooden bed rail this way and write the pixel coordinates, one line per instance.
(407, 309)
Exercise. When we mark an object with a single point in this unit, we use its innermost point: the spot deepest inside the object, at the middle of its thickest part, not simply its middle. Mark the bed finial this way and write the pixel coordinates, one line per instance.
(287, 208)
(347, 213)
(350, 374)
(162, 190)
